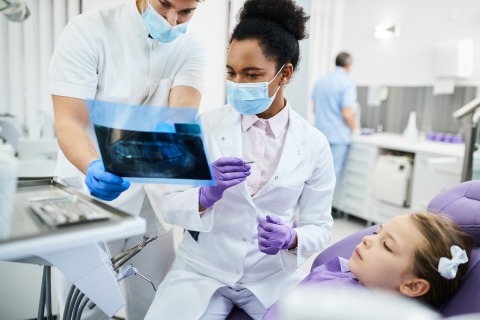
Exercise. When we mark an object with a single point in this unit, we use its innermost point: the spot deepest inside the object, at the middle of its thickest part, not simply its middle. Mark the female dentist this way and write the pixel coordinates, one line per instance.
(249, 234)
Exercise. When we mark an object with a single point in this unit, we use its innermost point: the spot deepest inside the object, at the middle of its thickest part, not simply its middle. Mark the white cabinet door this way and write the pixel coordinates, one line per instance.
(382, 211)
(433, 174)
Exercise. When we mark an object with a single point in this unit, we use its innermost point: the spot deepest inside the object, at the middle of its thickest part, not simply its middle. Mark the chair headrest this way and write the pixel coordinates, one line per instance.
(462, 204)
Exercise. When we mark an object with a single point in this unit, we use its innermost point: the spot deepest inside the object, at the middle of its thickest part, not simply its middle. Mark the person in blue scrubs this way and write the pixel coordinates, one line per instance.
(334, 96)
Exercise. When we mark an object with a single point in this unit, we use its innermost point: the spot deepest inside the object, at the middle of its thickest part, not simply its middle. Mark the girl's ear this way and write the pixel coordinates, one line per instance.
(414, 287)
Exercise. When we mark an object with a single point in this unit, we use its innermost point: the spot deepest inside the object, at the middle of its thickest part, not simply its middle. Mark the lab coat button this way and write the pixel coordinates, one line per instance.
(154, 83)
(244, 239)
(238, 272)
(276, 177)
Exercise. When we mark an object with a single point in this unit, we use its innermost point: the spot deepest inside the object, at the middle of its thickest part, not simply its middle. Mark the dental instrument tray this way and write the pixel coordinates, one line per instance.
(67, 210)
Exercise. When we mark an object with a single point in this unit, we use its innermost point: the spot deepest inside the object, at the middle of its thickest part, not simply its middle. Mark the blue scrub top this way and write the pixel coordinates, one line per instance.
(331, 93)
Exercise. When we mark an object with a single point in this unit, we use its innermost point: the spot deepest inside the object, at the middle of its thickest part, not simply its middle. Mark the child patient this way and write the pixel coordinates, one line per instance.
(420, 255)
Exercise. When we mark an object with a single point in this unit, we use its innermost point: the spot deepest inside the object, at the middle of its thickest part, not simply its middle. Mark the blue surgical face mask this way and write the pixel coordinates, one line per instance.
(250, 98)
(159, 28)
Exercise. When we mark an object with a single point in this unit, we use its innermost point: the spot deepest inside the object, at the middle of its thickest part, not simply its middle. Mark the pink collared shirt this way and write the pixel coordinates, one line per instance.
(263, 141)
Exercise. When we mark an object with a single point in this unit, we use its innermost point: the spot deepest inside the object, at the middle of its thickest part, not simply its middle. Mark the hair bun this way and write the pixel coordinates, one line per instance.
(283, 12)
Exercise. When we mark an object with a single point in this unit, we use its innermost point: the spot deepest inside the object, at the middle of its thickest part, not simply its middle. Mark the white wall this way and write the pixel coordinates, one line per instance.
(406, 60)
(211, 23)
(296, 91)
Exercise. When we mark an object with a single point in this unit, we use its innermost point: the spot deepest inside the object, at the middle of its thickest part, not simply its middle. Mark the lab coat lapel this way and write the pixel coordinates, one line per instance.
(229, 136)
(229, 140)
(292, 154)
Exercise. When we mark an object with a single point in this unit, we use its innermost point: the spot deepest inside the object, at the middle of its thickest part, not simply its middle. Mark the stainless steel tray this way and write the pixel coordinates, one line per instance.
(27, 225)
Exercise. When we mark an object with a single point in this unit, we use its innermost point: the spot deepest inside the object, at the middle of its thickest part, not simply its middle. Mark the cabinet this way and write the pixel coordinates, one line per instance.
(436, 166)
(353, 194)
(432, 175)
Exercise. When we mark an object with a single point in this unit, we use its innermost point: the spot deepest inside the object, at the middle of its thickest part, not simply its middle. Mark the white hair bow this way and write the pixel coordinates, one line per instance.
(448, 267)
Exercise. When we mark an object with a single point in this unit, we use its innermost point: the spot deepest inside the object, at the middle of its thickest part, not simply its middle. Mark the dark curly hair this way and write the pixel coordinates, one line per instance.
(278, 25)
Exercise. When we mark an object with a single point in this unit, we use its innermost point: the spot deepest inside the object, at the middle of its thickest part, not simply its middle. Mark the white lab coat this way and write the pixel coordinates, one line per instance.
(106, 54)
(226, 253)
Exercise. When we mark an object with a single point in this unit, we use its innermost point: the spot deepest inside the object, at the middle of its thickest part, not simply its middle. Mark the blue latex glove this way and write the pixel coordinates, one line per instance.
(102, 184)
(228, 171)
(274, 235)
(165, 127)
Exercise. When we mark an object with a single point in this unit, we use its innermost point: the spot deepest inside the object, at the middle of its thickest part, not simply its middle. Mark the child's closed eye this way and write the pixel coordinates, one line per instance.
(387, 247)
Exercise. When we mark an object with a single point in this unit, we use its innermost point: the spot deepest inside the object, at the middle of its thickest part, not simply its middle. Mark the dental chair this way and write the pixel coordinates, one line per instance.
(462, 203)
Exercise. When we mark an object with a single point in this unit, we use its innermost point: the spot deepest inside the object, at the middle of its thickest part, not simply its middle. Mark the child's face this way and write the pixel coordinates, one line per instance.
(385, 259)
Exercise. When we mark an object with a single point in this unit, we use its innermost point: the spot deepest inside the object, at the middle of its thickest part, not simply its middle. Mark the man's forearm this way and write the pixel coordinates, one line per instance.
(76, 146)
(351, 123)
(348, 117)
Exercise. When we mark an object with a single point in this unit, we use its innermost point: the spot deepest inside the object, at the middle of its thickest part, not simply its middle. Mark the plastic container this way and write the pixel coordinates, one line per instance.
(411, 132)
(430, 136)
(448, 137)
(444, 137)
(8, 186)
(457, 138)
(439, 136)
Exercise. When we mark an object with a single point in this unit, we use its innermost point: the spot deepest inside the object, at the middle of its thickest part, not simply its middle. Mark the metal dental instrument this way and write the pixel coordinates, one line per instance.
(127, 272)
(131, 270)
(142, 276)
(123, 257)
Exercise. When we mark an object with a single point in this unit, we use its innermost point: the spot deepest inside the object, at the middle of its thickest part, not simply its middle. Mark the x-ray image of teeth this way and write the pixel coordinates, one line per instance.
(172, 155)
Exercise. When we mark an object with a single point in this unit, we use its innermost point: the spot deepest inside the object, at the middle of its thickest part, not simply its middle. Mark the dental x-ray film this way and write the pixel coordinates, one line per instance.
(151, 144)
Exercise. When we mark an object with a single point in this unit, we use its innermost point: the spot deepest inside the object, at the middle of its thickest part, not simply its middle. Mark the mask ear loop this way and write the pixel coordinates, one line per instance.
(276, 74)
(279, 84)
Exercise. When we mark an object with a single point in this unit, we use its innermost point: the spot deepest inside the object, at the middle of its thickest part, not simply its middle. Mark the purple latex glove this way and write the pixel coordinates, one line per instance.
(228, 171)
(103, 184)
(274, 235)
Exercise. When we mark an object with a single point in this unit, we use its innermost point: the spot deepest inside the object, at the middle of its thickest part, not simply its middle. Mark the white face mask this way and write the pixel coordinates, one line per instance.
(250, 98)
(159, 28)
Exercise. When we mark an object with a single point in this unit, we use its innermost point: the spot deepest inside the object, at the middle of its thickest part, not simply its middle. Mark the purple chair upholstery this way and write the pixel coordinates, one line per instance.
(462, 203)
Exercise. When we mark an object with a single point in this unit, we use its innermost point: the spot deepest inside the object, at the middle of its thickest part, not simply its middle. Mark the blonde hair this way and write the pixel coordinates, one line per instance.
(440, 233)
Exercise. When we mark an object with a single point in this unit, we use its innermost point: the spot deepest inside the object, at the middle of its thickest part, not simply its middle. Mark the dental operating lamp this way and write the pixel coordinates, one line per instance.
(14, 10)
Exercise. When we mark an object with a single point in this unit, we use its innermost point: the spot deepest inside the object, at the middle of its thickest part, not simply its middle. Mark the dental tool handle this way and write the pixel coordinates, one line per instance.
(145, 278)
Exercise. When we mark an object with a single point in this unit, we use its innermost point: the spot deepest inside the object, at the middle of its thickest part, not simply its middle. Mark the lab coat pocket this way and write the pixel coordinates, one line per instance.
(287, 199)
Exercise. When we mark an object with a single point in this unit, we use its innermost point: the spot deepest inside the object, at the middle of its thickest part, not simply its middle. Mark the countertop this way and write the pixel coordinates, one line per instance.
(395, 141)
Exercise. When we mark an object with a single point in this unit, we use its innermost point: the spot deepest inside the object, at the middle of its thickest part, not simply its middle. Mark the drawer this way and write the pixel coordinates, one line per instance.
(382, 212)
(357, 190)
(363, 213)
(355, 174)
(360, 162)
(357, 181)
(354, 201)
(363, 153)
